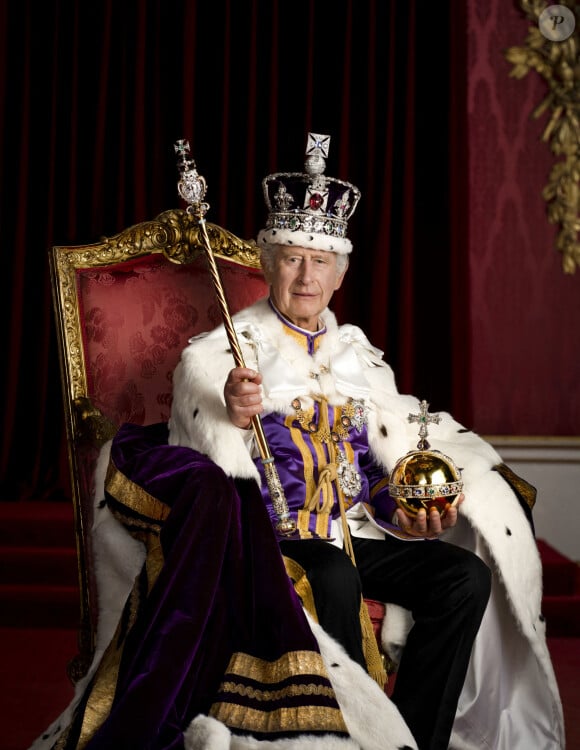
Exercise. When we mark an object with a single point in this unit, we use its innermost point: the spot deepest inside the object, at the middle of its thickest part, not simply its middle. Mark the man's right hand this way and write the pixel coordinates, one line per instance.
(243, 396)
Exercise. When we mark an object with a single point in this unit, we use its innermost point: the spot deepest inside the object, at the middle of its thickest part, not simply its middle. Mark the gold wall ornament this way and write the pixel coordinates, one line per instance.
(557, 62)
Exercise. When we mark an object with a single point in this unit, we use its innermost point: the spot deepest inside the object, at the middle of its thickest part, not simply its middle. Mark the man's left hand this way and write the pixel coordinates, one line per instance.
(431, 525)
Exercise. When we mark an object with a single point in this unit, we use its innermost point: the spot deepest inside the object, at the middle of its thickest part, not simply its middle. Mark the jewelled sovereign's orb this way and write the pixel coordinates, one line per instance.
(425, 478)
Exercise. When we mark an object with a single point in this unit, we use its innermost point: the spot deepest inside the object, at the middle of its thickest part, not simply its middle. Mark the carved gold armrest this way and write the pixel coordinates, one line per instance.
(91, 425)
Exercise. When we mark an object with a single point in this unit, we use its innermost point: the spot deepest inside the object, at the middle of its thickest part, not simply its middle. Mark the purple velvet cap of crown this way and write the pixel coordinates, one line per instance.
(309, 209)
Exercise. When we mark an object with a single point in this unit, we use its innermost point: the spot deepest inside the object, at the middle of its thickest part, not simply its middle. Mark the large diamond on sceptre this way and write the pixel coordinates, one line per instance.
(425, 478)
(191, 186)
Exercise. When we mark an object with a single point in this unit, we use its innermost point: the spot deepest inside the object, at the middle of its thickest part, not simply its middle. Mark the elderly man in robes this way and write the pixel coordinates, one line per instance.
(216, 649)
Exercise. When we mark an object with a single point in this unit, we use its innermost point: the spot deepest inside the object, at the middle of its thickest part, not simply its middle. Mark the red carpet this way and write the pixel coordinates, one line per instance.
(561, 602)
(38, 576)
(38, 615)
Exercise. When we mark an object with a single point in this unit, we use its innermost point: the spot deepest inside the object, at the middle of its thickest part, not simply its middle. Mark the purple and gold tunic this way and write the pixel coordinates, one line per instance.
(322, 457)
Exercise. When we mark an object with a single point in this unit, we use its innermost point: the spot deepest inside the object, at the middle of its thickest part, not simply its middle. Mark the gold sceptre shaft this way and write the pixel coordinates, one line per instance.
(192, 188)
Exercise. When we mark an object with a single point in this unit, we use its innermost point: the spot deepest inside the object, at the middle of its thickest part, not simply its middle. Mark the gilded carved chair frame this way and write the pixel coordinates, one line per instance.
(175, 235)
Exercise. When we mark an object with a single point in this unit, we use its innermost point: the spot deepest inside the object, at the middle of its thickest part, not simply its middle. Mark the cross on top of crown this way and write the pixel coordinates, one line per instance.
(317, 144)
(424, 419)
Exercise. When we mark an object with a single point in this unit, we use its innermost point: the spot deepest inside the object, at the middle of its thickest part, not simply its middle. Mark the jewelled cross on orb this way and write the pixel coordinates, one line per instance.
(424, 419)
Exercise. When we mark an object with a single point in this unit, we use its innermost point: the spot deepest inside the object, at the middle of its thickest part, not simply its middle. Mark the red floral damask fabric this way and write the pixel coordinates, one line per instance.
(137, 317)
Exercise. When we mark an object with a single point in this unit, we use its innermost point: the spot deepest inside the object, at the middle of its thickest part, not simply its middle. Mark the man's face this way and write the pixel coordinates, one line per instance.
(302, 282)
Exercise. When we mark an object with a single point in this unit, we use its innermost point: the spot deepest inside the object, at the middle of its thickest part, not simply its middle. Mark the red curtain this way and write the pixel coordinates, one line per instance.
(94, 96)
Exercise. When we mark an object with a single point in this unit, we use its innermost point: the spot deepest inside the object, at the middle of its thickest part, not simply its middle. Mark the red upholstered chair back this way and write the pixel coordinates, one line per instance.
(136, 317)
(125, 308)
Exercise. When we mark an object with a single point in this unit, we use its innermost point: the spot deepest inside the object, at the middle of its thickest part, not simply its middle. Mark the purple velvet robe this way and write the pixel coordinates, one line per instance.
(214, 622)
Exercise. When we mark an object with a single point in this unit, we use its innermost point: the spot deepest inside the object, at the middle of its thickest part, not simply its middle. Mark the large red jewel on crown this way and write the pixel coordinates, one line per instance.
(316, 200)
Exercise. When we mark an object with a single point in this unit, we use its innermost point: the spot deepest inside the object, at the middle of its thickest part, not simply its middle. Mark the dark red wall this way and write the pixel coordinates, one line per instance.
(525, 311)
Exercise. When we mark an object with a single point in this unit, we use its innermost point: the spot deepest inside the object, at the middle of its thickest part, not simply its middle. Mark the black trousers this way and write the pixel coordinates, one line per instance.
(445, 587)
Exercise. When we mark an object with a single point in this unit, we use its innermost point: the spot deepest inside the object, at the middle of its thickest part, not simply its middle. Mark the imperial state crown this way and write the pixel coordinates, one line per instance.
(309, 209)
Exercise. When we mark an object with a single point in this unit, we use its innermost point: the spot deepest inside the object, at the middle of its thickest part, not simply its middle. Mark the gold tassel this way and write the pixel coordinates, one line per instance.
(374, 660)
(375, 663)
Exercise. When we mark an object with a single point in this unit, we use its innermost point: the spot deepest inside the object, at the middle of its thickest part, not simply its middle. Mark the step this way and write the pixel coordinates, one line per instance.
(38, 565)
(37, 524)
(561, 575)
(39, 606)
(562, 615)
